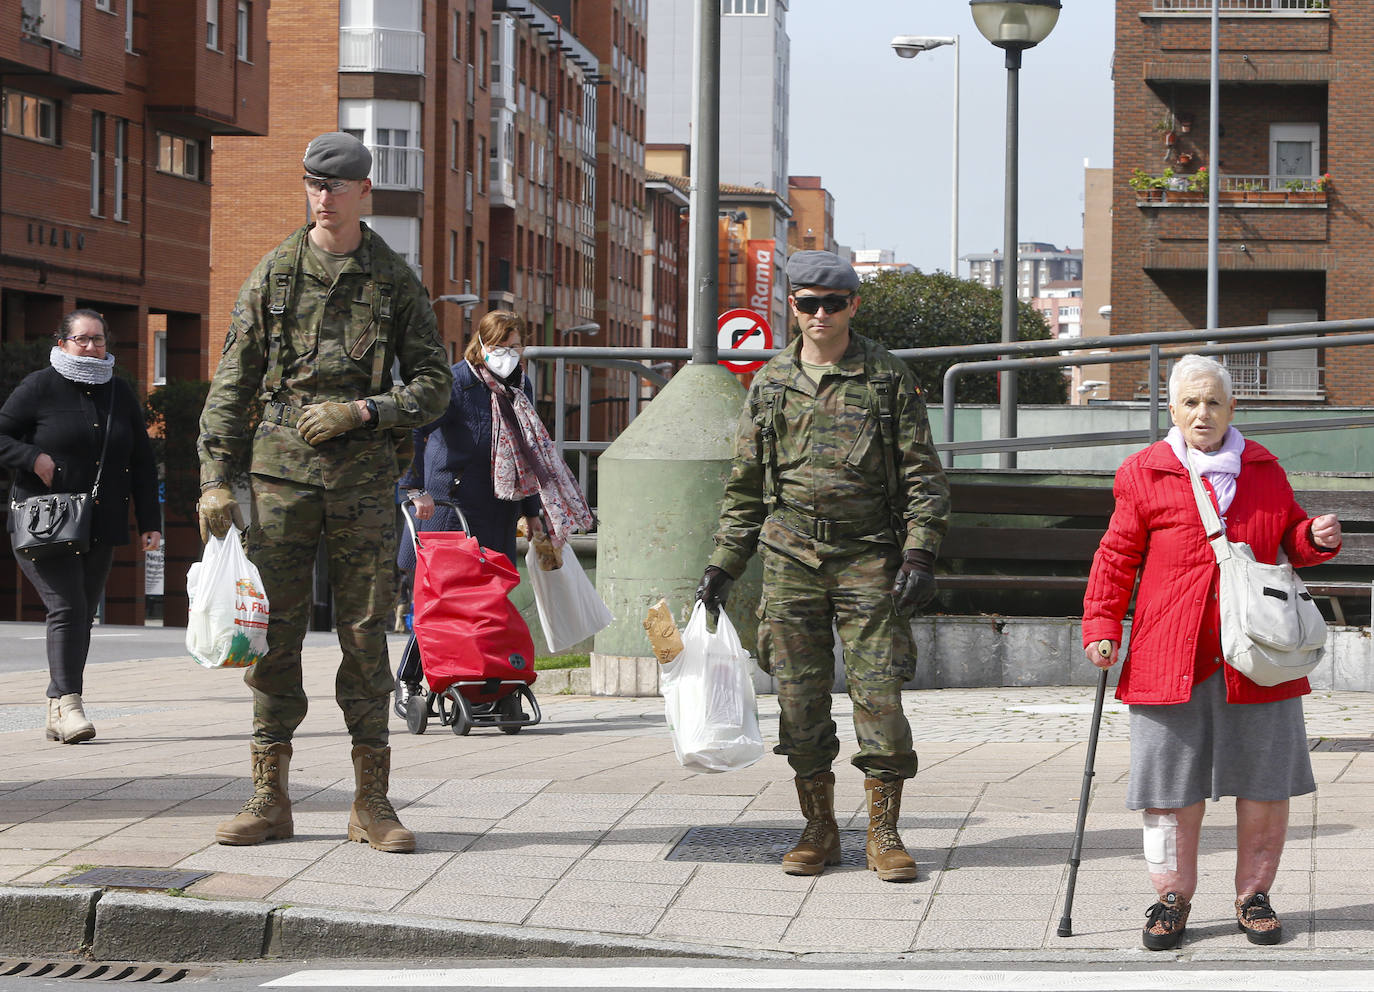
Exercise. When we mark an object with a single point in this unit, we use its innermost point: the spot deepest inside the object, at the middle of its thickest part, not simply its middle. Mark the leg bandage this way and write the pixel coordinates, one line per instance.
(1161, 842)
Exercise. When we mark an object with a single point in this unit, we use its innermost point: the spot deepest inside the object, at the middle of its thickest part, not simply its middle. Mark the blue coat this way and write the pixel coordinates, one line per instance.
(453, 461)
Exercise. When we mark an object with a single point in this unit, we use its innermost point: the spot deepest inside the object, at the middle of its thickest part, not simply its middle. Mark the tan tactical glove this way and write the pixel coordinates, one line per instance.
(217, 509)
(321, 421)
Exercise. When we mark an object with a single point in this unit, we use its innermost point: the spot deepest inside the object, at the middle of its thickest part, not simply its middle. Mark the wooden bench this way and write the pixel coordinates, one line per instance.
(1021, 542)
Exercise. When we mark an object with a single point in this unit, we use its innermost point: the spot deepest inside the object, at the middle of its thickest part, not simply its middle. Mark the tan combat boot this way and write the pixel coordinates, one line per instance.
(67, 720)
(820, 840)
(886, 855)
(372, 819)
(267, 814)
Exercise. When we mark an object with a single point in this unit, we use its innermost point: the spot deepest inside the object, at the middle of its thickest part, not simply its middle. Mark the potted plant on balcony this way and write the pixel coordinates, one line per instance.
(1168, 127)
(1151, 189)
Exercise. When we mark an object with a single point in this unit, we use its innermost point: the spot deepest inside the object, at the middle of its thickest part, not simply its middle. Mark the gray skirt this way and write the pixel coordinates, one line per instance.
(1184, 752)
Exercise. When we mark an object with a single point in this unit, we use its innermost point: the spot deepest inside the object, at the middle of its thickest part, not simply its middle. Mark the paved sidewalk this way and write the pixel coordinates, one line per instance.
(560, 836)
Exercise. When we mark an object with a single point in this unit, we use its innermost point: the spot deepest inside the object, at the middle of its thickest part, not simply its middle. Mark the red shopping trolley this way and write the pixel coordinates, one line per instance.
(468, 641)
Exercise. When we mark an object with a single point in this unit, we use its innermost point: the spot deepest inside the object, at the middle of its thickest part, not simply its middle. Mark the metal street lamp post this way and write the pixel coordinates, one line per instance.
(1013, 26)
(908, 46)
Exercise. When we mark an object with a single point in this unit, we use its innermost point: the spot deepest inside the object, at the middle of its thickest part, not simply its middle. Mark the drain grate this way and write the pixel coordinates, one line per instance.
(136, 878)
(116, 971)
(757, 845)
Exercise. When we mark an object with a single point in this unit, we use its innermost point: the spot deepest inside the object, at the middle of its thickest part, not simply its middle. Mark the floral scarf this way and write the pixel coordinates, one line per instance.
(524, 460)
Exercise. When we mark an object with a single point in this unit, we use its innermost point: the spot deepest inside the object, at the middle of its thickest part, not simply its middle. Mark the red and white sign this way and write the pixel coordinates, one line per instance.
(758, 271)
(742, 330)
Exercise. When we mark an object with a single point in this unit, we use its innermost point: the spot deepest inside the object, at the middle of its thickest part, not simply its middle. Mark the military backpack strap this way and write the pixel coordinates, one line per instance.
(767, 398)
(883, 383)
(383, 303)
(281, 287)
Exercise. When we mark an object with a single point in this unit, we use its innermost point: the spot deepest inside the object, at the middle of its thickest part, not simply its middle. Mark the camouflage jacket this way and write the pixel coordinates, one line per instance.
(296, 338)
(833, 469)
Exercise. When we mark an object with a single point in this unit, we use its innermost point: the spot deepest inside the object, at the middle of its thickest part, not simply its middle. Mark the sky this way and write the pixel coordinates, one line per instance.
(877, 128)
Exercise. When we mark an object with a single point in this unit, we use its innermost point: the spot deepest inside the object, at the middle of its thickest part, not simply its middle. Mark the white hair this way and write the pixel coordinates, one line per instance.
(1191, 367)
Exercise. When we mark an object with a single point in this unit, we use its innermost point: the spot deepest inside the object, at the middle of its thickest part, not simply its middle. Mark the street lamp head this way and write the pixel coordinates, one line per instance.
(588, 329)
(908, 46)
(462, 299)
(1015, 25)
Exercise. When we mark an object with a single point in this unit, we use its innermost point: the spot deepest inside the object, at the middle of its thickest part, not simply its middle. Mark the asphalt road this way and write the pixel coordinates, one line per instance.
(22, 645)
(670, 976)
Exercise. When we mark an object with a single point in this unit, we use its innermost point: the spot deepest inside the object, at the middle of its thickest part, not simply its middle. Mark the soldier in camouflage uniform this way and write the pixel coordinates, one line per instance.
(835, 476)
(308, 358)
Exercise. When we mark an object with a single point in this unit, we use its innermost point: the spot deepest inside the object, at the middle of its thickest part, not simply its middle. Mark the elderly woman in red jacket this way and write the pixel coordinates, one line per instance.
(1199, 728)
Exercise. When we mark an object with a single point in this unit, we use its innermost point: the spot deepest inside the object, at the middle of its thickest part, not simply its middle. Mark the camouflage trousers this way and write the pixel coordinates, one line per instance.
(358, 524)
(796, 644)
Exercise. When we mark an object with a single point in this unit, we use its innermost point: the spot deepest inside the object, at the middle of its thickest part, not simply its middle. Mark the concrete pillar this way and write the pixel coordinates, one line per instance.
(660, 488)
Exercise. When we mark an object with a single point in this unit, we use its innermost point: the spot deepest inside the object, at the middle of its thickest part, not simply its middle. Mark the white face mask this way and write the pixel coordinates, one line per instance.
(501, 361)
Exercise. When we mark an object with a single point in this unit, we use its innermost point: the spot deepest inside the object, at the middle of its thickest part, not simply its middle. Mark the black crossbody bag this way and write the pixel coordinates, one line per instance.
(54, 524)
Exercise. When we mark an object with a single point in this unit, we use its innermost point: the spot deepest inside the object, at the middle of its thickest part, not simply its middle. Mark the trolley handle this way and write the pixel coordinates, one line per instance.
(438, 501)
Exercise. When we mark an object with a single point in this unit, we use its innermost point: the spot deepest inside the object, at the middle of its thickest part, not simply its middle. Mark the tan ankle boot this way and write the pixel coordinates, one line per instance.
(267, 815)
(886, 855)
(820, 840)
(67, 720)
(373, 820)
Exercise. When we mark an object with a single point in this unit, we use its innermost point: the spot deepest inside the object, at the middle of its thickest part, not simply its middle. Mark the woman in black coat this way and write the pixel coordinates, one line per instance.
(453, 457)
(52, 429)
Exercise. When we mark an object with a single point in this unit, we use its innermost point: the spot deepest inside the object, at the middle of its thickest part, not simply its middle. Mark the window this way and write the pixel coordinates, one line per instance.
(129, 26)
(457, 36)
(177, 155)
(159, 358)
(121, 165)
(56, 20)
(243, 19)
(453, 140)
(30, 117)
(479, 266)
(744, 6)
(480, 164)
(104, 5)
(453, 256)
(481, 57)
(212, 24)
(97, 171)
(1294, 152)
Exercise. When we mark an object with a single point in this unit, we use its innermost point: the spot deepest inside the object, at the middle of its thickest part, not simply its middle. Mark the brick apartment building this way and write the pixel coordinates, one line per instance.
(507, 138)
(812, 224)
(110, 108)
(1296, 88)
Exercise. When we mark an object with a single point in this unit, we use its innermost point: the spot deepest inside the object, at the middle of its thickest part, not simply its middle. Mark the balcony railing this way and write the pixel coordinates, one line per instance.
(1234, 189)
(381, 50)
(397, 167)
(1248, 6)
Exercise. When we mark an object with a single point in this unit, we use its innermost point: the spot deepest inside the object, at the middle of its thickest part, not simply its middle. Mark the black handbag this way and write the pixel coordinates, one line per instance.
(54, 524)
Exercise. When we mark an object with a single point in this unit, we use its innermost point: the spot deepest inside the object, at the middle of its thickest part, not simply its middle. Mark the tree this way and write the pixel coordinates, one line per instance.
(916, 310)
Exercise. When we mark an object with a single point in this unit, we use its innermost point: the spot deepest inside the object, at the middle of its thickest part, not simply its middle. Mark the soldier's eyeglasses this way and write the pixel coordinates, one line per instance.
(318, 186)
(81, 341)
(830, 304)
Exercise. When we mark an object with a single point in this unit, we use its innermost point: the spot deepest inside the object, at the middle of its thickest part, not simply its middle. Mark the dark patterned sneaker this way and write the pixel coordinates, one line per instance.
(1164, 922)
(1259, 921)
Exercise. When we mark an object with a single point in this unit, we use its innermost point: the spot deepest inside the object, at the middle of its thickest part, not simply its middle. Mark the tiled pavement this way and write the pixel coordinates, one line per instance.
(567, 827)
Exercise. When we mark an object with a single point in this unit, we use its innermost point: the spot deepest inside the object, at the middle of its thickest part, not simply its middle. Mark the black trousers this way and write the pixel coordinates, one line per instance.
(70, 587)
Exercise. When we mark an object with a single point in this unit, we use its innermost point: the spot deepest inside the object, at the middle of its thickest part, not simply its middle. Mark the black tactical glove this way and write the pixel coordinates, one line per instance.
(714, 588)
(915, 585)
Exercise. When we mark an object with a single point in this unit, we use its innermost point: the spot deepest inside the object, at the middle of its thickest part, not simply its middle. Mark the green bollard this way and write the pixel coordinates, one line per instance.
(660, 486)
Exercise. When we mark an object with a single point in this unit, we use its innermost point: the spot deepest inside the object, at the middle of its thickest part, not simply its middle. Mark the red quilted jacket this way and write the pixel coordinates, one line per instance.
(1156, 532)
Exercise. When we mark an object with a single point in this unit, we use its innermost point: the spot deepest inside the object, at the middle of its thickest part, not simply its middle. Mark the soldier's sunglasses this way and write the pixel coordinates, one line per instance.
(320, 186)
(833, 303)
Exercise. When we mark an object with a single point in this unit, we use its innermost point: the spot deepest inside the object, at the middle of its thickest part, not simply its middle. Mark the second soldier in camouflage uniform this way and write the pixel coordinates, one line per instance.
(834, 474)
(309, 357)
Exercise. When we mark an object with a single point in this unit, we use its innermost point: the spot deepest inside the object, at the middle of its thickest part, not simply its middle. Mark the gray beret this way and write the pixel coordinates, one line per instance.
(337, 155)
(821, 268)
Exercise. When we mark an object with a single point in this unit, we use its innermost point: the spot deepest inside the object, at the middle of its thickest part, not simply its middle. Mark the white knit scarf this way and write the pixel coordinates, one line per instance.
(80, 368)
(1219, 467)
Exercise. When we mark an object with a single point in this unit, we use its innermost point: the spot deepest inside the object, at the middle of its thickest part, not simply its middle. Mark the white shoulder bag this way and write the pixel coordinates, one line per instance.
(1271, 630)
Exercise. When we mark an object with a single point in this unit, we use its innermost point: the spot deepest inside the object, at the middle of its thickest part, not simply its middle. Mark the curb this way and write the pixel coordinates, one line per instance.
(128, 926)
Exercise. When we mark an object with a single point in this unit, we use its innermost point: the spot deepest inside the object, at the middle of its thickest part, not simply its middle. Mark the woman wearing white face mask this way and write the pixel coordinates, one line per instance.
(490, 454)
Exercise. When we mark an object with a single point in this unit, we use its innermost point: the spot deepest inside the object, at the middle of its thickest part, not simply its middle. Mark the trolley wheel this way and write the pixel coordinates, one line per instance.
(509, 708)
(417, 713)
(401, 699)
(461, 724)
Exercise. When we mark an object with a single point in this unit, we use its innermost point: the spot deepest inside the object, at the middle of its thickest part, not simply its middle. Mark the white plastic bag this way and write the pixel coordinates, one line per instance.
(226, 626)
(570, 611)
(708, 696)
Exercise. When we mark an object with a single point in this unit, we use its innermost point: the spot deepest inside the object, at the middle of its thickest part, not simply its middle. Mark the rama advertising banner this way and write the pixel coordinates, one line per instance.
(759, 277)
